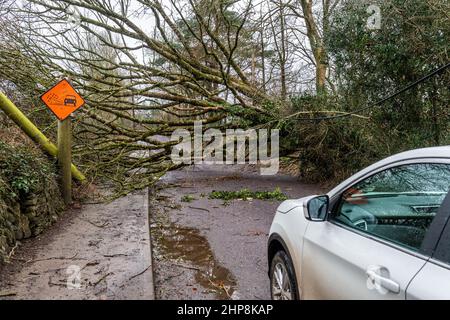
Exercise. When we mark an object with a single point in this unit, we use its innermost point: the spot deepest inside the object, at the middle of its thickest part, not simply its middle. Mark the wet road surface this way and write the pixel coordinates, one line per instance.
(208, 249)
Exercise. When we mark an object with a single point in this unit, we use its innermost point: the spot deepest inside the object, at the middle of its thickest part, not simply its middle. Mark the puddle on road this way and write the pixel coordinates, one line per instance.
(187, 247)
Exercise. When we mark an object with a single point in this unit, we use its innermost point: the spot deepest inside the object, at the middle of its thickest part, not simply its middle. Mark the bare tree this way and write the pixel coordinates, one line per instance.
(317, 17)
(147, 67)
(136, 99)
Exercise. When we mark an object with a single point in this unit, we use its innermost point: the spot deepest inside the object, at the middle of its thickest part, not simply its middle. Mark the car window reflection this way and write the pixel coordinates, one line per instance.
(397, 204)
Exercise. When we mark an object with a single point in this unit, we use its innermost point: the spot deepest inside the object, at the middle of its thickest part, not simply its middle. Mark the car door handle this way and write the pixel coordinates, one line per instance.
(384, 282)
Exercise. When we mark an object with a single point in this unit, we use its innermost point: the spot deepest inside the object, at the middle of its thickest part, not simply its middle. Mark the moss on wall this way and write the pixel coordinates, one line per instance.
(30, 199)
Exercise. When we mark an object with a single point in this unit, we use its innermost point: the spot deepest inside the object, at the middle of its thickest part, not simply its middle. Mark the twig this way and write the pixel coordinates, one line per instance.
(8, 294)
(101, 279)
(115, 255)
(55, 258)
(96, 224)
(226, 291)
(186, 267)
(221, 287)
(90, 264)
(12, 251)
(138, 274)
(57, 284)
(202, 209)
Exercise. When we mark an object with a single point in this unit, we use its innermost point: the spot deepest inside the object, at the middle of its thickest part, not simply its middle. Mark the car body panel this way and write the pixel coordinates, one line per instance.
(291, 227)
(331, 261)
(288, 205)
(338, 270)
(431, 283)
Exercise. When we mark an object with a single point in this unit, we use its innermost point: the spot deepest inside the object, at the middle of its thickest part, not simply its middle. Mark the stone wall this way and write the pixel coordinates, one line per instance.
(26, 214)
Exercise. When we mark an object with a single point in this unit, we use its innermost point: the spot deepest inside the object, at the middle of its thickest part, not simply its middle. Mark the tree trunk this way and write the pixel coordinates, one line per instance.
(283, 53)
(263, 58)
(33, 132)
(321, 71)
(317, 46)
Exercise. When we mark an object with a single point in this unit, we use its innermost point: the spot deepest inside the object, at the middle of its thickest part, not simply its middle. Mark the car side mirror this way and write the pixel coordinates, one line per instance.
(317, 208)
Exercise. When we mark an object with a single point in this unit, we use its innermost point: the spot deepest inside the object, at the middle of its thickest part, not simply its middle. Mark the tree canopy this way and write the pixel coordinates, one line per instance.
(148, 67)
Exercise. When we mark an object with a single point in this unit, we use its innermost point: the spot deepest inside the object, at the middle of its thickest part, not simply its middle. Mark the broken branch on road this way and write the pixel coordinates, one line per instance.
(140, 273)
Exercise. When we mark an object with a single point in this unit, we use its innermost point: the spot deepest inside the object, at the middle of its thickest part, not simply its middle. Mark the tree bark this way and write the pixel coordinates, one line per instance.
(317, 46)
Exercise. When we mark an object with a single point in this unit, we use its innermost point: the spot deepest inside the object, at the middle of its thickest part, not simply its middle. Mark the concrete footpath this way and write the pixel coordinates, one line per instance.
(101, 251)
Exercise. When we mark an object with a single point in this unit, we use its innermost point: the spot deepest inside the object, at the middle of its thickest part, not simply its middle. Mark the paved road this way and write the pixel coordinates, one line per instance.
(232, 237)
(108, 243)
(202, 249)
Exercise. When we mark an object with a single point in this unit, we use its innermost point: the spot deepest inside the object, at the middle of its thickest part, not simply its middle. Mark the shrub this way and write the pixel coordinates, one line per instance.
(246, 194)
(23, 169)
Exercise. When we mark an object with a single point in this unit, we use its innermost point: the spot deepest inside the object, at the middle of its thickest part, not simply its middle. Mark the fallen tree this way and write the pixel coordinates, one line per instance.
(139, 85)
(33, 132)
(149, 67)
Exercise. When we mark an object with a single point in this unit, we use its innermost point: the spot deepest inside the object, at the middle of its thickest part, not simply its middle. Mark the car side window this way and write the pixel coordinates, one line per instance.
(442, 252)
(397, 204)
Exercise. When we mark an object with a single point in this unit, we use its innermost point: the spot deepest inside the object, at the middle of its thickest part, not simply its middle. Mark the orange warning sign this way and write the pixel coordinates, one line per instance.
(62, 99)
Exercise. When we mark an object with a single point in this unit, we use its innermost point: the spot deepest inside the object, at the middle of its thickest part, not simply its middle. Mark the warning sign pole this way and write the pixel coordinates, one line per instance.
(62, 99)
(65, 158)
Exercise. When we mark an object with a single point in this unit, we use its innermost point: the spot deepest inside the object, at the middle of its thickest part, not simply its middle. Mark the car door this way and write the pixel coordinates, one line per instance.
(373, 243)
(432, 281)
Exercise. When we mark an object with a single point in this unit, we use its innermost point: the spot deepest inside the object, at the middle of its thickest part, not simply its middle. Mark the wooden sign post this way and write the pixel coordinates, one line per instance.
(63, 100)
(65, 158)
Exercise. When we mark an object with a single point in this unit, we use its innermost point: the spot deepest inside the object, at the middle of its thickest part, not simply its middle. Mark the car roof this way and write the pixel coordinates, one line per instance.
(423, 153)
(433, 152)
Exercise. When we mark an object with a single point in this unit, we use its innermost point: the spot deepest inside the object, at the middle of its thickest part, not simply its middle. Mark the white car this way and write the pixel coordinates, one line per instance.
(381, 234)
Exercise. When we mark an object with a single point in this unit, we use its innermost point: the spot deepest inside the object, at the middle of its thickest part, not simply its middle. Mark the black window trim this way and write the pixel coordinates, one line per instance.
(430, 240)
(445, 208)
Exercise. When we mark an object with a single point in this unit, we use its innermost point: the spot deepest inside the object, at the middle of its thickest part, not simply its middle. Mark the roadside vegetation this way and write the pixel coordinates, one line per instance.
(247, 195)
(30, 200)
(188, 198)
